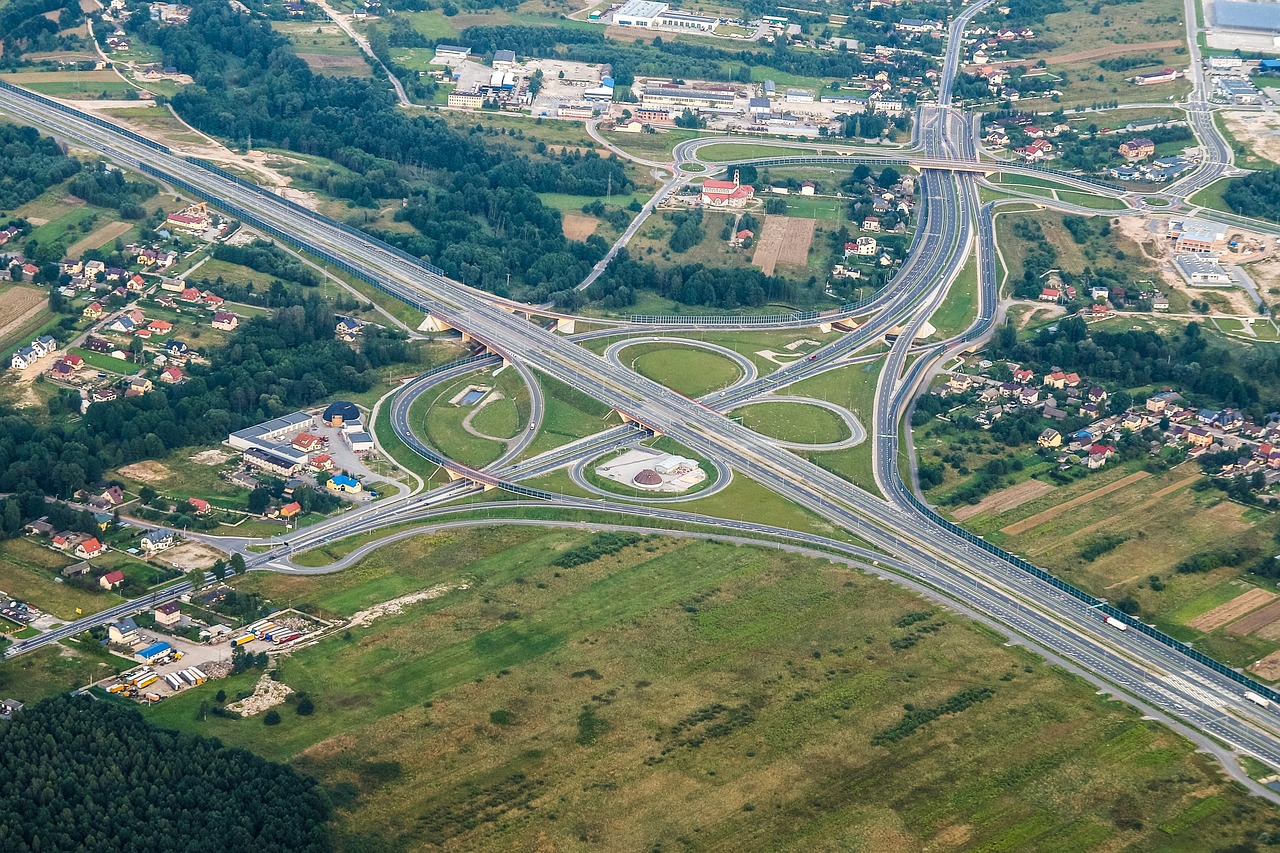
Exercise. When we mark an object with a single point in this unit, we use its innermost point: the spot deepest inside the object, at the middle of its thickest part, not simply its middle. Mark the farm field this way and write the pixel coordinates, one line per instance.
(325, 48)
(1124, 535)
(542, 704)
(25, 312)
(783, 241)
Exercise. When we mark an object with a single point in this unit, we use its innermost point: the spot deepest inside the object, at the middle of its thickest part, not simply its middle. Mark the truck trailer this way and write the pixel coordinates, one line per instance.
(1115, 623)
(148, 681)
(1256, 699)
(240, 641)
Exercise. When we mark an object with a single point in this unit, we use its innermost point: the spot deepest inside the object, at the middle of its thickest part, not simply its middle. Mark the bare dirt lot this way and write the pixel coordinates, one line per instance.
(146, 472)
(211, 457)
(783, 241)
(1255, 621)
(1268, 668)
(1235, 608)
(192, 555)
(578, 226)
(1111, 50)
(1005, 499)
(1052, 513)
(1259, 131)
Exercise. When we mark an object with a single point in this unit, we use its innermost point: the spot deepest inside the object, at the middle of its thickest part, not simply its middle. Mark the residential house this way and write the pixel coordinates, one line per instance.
(158, 539)
(76, 570)
(871, 223)
(1024, 374)
(308, 443)
(1049, 294)
(113, 495)
(291, 510)
(111, 580)
(190, 295)
(1050, 438)
(138, 385)
(865, 246)
(344, 483)
(160, 327)
(168, 614)
(199, 506)
(323, 462)
(1028, 396)
(171, 375)
(93, 310)
(24, 358)
(125, 631)
(90, 548)
(225, 321)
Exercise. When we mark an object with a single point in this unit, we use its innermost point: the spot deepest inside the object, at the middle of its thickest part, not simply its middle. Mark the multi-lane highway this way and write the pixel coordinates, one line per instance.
(902, 535)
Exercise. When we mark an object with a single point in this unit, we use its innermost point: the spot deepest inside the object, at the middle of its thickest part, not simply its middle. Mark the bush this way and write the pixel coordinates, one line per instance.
(305, 707)
(272, 718)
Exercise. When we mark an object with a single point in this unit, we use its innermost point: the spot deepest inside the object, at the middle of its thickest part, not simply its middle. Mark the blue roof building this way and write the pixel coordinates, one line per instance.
(153, 651)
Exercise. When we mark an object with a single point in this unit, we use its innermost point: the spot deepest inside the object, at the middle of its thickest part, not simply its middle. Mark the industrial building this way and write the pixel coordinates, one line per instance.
(1203, 272)
(679, 97)
(269, 433)
(450, 54)
(1249, 17)
(1196, 236)
(649, 13)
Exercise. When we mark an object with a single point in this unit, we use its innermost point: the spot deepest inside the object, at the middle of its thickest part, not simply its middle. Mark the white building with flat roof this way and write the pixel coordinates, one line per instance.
(639, 13)
(686, 21)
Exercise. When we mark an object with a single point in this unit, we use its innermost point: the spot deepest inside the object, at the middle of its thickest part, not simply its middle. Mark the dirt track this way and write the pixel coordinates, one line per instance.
(1005, 499)
(1213, 619)
(1053, 512)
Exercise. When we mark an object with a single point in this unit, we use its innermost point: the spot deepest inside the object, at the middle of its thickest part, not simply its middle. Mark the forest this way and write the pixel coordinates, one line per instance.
(29, 164)
(692, 284)
(1256, 194)
(94, 776)
(475, 207)
(107, 187)
(33, 25)
(270, 367)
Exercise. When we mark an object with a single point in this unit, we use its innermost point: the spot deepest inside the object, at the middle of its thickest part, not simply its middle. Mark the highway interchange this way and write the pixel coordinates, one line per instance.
(895, 535)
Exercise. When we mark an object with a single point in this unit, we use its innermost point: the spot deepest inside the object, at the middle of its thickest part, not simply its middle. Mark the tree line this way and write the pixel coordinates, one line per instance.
(95, 776)
(29, 163)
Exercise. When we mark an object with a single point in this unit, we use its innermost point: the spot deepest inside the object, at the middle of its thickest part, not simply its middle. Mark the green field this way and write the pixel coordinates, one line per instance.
(793, 422)
(57, 668)
(1212, 196)
(438, 422)
(854, 388)
(674, 677)
(960, 307)
(179, 476)
(30, 572)
(689, 371)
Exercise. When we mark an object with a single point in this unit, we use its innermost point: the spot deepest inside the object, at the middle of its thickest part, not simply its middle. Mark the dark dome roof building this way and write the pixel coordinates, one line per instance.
(340, 412)
(647, 477)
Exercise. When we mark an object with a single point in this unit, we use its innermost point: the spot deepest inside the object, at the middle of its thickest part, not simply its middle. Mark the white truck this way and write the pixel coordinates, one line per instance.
(1256, 699)
(1115, 623)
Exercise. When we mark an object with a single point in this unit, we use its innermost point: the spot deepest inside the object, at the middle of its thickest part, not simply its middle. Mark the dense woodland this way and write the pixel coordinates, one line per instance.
(475, 208)
(94, 776)
(1256, 194)
(34, 25)
(106, 186)
(270, 367)
(29, 163)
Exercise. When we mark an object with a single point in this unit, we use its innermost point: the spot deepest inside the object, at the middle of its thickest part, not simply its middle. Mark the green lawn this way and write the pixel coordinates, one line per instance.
(569, 414)
(433, 24)
(109, 363)
(674, 672)
(960, 307)
(438, 422)
(1212, 196)
(854, 388)
(1099, 202)
(689, 371)
(794, 422)
(57, 668)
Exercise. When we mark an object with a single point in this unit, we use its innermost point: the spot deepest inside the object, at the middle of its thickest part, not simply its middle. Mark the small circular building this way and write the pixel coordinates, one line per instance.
(648, 478)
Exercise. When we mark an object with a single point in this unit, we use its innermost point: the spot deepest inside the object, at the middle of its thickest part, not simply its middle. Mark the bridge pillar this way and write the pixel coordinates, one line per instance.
(565, 324)
(627, 419)
(434, 324)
